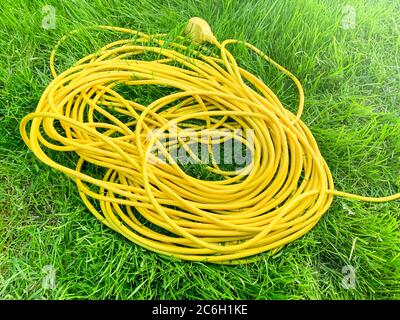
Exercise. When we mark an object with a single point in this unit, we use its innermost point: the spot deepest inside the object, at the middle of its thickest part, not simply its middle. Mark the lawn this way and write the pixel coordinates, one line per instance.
(345, 53)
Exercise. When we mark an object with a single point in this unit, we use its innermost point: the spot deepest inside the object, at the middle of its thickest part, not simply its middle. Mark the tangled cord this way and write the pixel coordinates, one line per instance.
(155, 203)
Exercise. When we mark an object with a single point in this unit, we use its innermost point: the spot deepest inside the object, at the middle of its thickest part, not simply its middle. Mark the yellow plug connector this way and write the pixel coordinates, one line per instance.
(200, 31)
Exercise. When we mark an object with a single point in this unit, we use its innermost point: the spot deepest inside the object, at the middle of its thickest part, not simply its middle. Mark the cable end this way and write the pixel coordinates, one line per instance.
(200, 31)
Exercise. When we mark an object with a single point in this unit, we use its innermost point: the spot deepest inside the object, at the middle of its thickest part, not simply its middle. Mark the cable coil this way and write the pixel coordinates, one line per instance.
(272, 201)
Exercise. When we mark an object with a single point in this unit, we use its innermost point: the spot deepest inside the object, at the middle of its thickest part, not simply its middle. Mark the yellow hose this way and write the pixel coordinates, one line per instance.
(272, 201)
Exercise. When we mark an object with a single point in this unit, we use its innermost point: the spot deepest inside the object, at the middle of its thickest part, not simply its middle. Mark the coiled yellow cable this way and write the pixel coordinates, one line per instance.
(274, 200)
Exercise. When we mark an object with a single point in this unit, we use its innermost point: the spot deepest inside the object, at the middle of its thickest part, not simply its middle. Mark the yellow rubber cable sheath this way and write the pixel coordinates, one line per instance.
(272, 201)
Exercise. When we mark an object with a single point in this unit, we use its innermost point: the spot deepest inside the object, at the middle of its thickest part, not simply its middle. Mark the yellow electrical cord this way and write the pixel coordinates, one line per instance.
(274, 200)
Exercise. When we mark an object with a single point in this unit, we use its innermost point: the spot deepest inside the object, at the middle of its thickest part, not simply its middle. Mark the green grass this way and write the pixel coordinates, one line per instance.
(352, 85)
